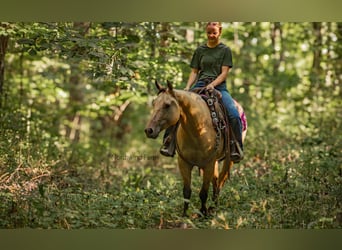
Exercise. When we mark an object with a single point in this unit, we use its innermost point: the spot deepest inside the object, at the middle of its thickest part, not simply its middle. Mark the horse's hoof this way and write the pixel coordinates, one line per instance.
(183, 226)
(211, 210)
(204, 213)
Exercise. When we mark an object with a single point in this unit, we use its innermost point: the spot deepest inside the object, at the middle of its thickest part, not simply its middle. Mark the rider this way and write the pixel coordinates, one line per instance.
(210, 65)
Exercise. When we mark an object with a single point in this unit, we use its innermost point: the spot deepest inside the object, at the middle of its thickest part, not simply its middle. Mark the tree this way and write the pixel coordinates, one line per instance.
(4, 37)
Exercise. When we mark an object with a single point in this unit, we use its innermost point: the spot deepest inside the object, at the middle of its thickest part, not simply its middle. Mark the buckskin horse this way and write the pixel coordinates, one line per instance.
(196, 140)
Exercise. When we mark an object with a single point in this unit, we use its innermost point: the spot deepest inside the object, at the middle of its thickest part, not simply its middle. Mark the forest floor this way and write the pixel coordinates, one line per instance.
(284, 188)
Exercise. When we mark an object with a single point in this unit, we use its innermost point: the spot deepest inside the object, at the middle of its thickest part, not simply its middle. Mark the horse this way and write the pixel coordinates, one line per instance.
(195, 138)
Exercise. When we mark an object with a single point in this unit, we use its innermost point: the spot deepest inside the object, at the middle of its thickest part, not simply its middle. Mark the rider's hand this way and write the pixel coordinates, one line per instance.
(186, 88)
(210, 86)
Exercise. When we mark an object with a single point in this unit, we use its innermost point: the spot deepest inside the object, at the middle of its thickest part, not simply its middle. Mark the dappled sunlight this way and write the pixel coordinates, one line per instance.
(75, 98)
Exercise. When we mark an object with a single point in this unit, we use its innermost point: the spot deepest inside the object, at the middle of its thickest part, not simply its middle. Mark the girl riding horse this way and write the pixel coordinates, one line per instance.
(210, 65)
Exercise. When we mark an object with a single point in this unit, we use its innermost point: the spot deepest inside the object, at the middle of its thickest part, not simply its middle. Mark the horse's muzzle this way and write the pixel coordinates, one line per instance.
(151, 133)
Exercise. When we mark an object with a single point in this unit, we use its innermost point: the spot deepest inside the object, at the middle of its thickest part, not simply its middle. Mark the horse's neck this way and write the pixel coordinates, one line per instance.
(194, 112)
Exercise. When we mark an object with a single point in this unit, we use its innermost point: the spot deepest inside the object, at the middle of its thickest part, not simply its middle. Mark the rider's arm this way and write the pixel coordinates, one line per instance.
(221, 78)
(192, 78)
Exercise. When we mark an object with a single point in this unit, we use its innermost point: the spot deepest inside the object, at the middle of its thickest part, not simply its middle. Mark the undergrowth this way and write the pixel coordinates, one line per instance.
(290, 183)
(292, 190)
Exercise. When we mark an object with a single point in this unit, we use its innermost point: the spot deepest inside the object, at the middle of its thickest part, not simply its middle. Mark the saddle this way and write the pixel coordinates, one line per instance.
(218, 114)
(213, 98)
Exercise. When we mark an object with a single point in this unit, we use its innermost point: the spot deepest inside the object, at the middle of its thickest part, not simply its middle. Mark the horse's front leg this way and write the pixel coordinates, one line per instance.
(185, 170)
(208, 173)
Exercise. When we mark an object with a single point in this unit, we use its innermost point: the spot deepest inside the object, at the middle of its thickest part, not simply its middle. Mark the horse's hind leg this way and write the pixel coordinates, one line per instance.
(215, 184)
(185, 170)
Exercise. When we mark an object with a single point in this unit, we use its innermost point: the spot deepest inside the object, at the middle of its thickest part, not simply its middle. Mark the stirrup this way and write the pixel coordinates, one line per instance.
(169, 147)
(236, 152)
(236, 158)
(164, 150)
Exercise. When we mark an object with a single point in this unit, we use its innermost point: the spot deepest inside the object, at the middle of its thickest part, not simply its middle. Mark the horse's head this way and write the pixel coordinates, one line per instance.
(165, 111)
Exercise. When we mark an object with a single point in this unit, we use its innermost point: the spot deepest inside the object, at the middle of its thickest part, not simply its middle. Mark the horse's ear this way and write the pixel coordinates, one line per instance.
(159, 87)
(169, 85)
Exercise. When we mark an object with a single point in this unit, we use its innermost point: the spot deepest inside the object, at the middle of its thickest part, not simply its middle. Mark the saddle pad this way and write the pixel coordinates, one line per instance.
(242, 115)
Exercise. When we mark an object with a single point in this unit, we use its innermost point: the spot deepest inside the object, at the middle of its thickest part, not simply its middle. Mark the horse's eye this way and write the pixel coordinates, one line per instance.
(167, 105)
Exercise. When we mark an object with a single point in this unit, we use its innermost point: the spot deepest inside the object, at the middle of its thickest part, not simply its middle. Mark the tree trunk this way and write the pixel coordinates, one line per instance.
(3, 47)
(316, 69)
(278, 55)
(338, 65)
(76, 97)
(317, 27)
(164, 40)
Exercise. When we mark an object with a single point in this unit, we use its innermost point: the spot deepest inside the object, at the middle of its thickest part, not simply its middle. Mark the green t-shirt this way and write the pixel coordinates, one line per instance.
(209, 61)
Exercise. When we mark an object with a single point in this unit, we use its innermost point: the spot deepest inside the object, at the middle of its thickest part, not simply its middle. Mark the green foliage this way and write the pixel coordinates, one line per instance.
(76, 97)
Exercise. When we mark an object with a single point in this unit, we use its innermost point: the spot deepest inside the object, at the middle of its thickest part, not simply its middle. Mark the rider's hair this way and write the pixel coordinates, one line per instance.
(218, 24)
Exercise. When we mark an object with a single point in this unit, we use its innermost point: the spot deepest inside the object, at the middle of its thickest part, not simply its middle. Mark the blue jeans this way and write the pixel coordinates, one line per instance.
(233, 113)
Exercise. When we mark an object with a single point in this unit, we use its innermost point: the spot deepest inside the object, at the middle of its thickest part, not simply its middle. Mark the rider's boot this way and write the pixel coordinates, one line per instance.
(236, 149)
(169, 142)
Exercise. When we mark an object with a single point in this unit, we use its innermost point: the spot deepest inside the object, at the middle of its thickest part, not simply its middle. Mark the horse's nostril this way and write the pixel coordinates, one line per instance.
(148, 131)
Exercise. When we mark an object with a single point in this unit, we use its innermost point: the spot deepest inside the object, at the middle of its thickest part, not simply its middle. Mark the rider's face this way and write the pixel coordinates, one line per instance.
(213, 33)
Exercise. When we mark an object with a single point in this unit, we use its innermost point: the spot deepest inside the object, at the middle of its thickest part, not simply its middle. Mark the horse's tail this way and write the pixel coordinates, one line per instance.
(225, 172)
